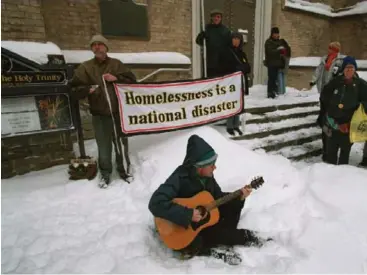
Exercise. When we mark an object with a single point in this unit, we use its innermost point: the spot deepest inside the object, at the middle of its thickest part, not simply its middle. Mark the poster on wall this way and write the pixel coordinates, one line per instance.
(39, 113)
(152, 108)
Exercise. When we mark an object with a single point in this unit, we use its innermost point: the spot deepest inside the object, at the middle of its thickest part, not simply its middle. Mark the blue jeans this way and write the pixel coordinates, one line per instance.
(281, 82)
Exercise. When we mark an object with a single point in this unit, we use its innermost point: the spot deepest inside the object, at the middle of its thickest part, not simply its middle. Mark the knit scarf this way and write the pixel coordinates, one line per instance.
(330, 58)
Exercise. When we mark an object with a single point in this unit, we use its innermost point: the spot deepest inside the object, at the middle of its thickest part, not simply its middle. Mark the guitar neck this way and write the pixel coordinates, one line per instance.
(225, 199)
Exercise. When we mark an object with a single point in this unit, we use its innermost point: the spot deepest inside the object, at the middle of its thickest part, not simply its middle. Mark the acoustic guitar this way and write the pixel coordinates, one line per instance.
(177, 237)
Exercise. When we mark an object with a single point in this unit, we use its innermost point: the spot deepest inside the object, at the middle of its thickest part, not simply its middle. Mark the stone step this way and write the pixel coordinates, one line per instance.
(280, 118)
(292, 142)
(275, 131)
(267, 109)
(299, 152)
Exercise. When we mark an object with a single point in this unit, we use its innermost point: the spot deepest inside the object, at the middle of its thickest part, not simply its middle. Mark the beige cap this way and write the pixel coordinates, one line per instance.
(99, 38)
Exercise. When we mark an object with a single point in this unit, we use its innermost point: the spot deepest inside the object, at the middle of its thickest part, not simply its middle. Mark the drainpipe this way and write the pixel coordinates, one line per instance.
(195, 29)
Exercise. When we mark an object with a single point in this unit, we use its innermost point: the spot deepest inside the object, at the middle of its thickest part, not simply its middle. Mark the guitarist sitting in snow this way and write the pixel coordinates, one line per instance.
(190, 178)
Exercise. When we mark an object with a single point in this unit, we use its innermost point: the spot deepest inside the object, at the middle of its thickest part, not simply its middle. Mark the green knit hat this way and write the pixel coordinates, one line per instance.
(207, 159)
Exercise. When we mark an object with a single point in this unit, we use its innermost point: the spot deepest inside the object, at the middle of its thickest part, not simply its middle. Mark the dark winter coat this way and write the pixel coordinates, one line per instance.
(349, 95)
(233, 60)
(217, 38)
(90, 73)
(183, 183)
(273, 58)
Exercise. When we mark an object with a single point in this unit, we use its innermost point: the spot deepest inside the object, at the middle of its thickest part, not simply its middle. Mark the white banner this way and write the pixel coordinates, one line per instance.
(167, 106)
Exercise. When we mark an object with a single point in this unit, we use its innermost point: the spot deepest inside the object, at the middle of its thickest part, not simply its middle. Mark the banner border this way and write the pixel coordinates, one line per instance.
(178, 83)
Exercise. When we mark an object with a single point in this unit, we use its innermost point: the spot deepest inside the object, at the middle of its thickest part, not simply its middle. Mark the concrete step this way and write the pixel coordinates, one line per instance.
(281, 117)
(300, 152)
(292, 142)
(267, 109)
(277, 131)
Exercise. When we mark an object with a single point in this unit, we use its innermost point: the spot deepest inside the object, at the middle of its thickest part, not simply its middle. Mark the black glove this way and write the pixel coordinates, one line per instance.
(312, 84)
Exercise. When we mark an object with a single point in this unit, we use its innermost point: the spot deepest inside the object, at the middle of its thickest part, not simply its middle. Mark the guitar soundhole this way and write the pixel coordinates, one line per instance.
(204, 213)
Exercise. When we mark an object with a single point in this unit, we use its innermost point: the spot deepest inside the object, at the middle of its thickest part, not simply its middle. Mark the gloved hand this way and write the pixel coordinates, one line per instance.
(312, 84)
(344, 128)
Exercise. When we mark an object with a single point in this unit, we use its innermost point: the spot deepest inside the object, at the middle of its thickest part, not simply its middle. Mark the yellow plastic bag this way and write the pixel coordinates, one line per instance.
(358, 126)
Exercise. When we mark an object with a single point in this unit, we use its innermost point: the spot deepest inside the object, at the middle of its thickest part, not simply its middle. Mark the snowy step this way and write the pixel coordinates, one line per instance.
(281, 117)
(299, 152)
(272, 140)
(292, 142)
(267, 109)
(276, 128)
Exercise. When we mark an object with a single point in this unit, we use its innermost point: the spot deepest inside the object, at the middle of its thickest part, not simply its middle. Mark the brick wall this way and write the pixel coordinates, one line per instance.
(70, 24)
(22, 20)
(351, 32)
(22, 154)
(307, 34)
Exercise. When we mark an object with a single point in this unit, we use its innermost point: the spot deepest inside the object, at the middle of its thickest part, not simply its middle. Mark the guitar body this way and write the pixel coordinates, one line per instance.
(177, 237)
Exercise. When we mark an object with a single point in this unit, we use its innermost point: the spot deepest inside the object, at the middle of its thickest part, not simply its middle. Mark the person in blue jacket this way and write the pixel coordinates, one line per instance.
(190, 178)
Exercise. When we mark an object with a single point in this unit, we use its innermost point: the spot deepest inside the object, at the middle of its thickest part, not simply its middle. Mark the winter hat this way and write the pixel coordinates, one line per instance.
(274, 30)
(207, 159)
(349, 60)
(99, 38)
(216, 11)
(335, 45)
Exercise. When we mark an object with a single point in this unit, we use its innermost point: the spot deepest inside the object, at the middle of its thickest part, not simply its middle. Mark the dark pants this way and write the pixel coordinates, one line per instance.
(105, 136)
(272, 81)
(324, 138)
(338, 140)
(225, 232)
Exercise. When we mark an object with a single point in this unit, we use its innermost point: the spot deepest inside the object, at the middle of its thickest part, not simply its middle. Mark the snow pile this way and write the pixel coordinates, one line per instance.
(320, 8)
(38, 52)
(315, 213)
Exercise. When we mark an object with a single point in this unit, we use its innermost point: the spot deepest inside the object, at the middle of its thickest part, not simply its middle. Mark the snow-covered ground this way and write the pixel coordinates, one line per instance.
(315, 212)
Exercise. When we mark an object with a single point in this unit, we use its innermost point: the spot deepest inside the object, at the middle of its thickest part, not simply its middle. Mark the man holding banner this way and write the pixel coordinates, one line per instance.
(95, 79)
(217, 39)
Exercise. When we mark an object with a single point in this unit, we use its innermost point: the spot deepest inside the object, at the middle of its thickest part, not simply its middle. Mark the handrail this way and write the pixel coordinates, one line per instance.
(164, 70)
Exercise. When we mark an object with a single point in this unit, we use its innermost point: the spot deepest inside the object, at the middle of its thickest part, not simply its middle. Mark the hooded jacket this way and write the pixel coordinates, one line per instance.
(184, 182)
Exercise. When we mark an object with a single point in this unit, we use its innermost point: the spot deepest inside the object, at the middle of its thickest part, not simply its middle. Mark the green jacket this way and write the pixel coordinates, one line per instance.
(217, 39)
(273, 57)
(90, 73)
(340, 100)
(183, 183)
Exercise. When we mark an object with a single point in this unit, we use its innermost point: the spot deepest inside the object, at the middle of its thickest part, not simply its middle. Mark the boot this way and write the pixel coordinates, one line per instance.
(238, 131)
(231, 132)
(104, 181)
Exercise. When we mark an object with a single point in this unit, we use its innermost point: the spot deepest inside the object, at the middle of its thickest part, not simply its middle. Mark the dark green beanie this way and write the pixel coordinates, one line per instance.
(207, 159)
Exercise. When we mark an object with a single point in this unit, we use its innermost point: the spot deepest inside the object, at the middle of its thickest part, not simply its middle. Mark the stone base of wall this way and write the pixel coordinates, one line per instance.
(300, 77)
(23, 154)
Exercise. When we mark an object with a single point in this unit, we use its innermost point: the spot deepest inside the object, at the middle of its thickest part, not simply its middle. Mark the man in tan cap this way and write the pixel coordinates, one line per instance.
(104, 106)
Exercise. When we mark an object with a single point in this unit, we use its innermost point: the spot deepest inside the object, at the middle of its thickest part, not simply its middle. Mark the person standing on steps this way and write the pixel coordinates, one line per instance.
(234, 59)
(340, 98)
(88, 82)
(274, 60)
(329, 68)
(196, 174)
(217, 38)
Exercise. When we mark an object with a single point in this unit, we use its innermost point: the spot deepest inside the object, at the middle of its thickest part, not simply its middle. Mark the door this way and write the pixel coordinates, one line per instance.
(237, 14)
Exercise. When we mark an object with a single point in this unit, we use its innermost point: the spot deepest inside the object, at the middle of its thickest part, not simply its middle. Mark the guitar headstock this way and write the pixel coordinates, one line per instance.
(256, 182)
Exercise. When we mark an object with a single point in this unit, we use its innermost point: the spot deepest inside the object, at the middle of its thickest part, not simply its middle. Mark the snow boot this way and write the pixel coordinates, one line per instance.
(231, 132)
(238, 131)
(104, 181)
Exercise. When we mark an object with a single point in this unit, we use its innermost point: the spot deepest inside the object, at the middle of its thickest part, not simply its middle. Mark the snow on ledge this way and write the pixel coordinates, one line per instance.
(319, 8)
(38, 52)
(314, 61)
(34, 51)
(79, 56)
